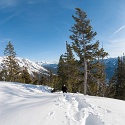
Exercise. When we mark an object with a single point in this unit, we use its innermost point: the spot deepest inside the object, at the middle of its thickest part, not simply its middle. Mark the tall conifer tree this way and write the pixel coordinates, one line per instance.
(97, 72)
(11, 68)
(116, 87)
(71, 67)
(83, 45)
(61, 71)
(25, 76)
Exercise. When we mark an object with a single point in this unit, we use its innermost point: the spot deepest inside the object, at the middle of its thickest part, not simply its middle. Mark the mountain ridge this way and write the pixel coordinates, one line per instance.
(30, 65)
(45, 67)
(110, 65)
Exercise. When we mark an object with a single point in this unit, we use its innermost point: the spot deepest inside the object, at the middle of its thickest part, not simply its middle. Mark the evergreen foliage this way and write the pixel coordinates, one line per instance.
(117, 83)
(72, 70)
(68, 70)
(11, 69)
(26, 78)
(85, 48)
(53, 81)
(61, 71)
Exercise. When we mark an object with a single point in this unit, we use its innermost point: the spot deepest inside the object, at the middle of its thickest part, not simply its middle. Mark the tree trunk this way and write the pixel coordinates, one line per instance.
(85, 76)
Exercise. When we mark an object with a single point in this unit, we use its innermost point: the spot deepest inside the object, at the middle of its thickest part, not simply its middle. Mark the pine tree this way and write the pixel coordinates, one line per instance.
(71, 69)
(68, 70)
(25, 76)
(44, 80)
(50, 78)
(56, 82)
(3, 75)
(83, 44)
(97, 73)
(62, 71)
(117, 83)
(11, 68)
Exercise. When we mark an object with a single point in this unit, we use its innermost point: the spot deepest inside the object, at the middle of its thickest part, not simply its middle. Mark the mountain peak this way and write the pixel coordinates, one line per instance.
(30, 65)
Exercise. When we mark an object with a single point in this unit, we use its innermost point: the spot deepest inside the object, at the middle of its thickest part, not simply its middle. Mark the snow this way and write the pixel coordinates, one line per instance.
(46, 63)
(31, 66)
(26, 104)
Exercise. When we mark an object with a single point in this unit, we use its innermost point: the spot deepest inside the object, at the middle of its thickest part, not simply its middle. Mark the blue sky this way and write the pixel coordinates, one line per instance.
(39, 29)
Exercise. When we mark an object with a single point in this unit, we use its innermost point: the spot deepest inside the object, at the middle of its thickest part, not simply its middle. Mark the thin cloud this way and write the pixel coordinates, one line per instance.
(119, 30)
(8, 3)
(58, 29)
(8, 18)
(36, 1)
(115, 47)
(13, 3)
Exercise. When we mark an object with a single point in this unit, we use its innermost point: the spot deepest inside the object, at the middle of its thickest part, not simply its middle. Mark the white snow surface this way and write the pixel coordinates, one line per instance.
(31, 66)
(26, 104)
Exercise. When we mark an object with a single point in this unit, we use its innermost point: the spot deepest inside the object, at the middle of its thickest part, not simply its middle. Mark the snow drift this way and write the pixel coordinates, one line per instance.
(25, 104)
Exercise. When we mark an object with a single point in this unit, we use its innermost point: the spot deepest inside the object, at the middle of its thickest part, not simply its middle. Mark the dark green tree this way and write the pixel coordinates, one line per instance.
(50, 78)
(68, 70)
(25, 76)
(62, 71)
(11, 67)
(117, 82)
(72, 69)
(97, 73)
(56, 83)
(83, 43)
(44, 80)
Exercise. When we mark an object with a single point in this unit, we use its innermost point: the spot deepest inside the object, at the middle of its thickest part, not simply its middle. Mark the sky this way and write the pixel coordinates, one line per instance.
(39, 29)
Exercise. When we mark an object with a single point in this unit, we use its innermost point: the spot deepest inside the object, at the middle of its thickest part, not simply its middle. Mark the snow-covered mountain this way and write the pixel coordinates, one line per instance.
(31, 66)
(44, 66)
(47, 63)
(26, 104)
(110, 65)
(49, 66)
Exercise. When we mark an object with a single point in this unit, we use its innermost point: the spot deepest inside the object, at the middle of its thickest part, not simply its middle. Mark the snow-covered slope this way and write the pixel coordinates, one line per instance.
(31, 66)
(50, 66)
(44, 66)
(25, 104)
(47, 63)
(110, 65)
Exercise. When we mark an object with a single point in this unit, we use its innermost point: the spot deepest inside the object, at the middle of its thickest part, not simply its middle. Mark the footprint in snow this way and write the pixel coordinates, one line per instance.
(93, 120)
(51, 113)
